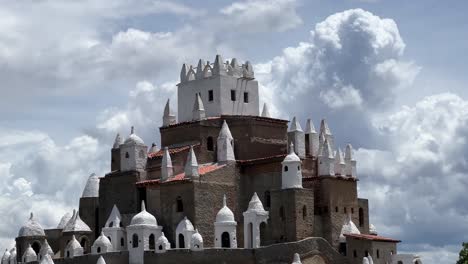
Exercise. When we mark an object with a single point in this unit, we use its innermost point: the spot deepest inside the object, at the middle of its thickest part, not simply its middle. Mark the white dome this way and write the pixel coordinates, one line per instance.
(184, 225)
(372, 230)
(144, 218)
(76, 224)
(255, 204)
(102, 241)
(31, 228)
(291, 157)
(29, 255)
(162, 240)
(225, 214)
(73, 244)
(65, 219)
(46, 249)
(101, 260)
(348, 228)
(196, 239)
(92, 187)
(6, 256)
(133, 139)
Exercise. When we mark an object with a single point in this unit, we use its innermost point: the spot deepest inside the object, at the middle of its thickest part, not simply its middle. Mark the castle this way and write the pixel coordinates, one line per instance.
(229, 185)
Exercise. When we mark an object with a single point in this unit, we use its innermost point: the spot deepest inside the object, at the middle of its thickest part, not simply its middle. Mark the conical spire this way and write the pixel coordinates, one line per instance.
(365, 260)
(324, 128)
(183, 73)
(166, 165)
(297, 259)
(295, 126)
(198, 108)
(339, 163)
(327, 151)
(310, 128)
(191, 74)
(350, 162)
(225, 144)
(207, 71)
(218, 67)
(224, 201)
(200, 68)
(169, 117)
(191, 166)
(118, 141)
(266, 111)
(114, 218)
(248, 71)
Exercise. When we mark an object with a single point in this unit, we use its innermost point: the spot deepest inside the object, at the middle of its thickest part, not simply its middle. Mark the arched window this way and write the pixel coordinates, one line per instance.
(68, 255)
(352, 210)
(111, 224)
(160, 247)
(225, 240)
(122, 242)
(135, 240)
(84, 244)
(267, 199)
(179, 204)
(342, 249)
(209, 144)
(286, 168)
(400, 262)
(304, 212)
(298, 168)
(152, 242)
(99, 250)
(378, 253)
(355, 253)
(361, 217)
(36, 246)
(181, 241)
(281, 213)
(127, 155)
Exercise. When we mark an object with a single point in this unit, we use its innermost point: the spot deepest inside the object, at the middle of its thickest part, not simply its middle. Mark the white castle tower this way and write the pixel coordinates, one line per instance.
(291, 175)
(113, 229)
(226, 88)
(297, 137)
(225, 228)
(133, 153)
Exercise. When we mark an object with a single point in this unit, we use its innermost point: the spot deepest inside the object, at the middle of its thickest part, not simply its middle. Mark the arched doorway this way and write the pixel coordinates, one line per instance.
(225, 240)
(181, 241)
(36, 246)
(152, 242)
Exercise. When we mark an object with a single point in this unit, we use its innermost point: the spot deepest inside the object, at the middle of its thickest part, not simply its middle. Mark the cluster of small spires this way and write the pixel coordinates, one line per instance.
(219, 67)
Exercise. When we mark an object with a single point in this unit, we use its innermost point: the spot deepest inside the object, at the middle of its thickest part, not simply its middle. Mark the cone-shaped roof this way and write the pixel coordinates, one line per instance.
(266, 110)
(295, 126)
(91, 189)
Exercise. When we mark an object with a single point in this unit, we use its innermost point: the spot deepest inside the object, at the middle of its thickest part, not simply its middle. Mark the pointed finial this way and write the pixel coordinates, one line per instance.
(224, 200)
(291, 148)
(266, 111)
(310, 128)
(183, 73)
(143, 207)
(295, 126)
(324, 129)
(31, 216)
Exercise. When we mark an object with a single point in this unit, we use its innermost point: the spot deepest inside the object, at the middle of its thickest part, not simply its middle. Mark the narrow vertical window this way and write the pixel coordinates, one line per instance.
(233, 95)
(361, 217)
(209, 144)
(210, 96)
(246, 97)
(179, 204)
(267, 199)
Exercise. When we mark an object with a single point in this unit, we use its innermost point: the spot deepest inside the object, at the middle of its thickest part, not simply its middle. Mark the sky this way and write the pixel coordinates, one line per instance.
(389, 76)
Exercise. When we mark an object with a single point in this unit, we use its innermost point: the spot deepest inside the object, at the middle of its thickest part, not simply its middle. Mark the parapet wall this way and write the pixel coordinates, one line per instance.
(110, 258)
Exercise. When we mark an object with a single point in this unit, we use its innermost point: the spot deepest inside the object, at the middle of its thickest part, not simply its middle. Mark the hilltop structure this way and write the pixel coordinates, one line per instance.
(229, 185)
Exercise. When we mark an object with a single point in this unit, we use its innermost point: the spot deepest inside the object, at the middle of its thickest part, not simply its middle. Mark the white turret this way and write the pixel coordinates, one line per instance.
(234, 68)
(297, 137)
(196, 241)
(45, 250)
(218, 66)
(31, 228)
(118, 141)
(339, 163)
(371, 261)
(200, 68)
(247, 70)
(373, 230)
(113, 229)
(350, 167)
(133, 153)
(348, 228)
(183, 73)
(101, 260)
(91, 189)
(266, 111)
(73, 248)
(365, 260)
(326, 160)
(168, 117)
(184, 232)
(312, 144)
(191, 165)
(291, 175)
(191, 74)
(198, 108)
(13, 259)
(142, 234)
(325, 130)
(154, 148)
(297, 259)
(253, 217)
(167, 170)
(225, 228)
(162, 244)
(29, 255)
(47, 259)
(101, 245)
(225, 144)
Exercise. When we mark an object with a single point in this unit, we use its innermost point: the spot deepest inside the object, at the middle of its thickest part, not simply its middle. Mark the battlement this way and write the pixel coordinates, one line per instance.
(206, 70)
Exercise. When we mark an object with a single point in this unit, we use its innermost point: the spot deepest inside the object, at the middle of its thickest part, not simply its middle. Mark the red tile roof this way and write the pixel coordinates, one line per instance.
(175, 150)
(202, 170)
(279, 157)
(372, 238)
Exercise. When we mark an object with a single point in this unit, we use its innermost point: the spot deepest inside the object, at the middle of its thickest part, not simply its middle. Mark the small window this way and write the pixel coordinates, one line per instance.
(127, 155)
(209, 144)
(122, 242)
(361, 217)
(345, 210)
(233, 95)
(160, 247)
(378, 253)
(135, 240)
(298, 168)
(246, 97)
(304, 212)
(352, 210)
(210, 96)
(152, 242)
(281, 213)
(99, 250)
(285, 168)
(366, 253)
(325, 209)
(355, 253)
(180, 205)
(336, 209)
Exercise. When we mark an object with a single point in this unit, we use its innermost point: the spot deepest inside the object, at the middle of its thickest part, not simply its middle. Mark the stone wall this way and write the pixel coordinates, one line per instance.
(363, 224)
(110, 258)
(53, 238)
(380, 251)
(89, 213)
